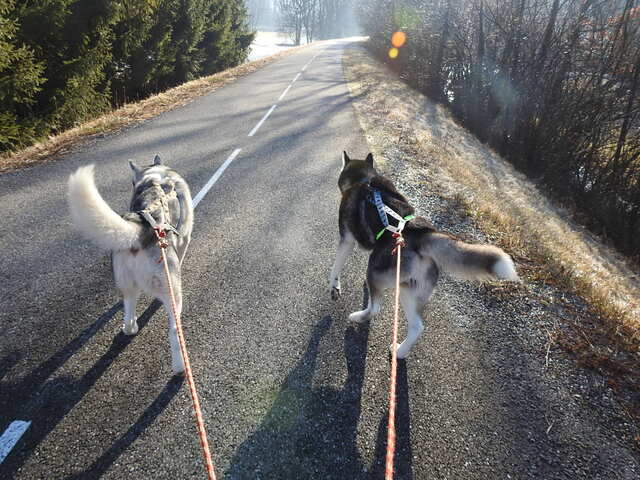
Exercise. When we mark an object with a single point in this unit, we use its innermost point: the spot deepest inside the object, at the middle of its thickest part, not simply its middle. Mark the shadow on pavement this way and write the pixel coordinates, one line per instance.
(19, 393)
(102, 464)
(58, 396)
(403, 457)
(311, 432)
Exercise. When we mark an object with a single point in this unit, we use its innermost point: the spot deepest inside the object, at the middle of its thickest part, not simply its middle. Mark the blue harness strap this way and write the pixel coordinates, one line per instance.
(377, 201)
(384, 211)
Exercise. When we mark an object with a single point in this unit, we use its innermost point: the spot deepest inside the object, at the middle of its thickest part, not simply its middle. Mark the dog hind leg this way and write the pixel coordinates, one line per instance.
(177, 362)
(130, 300)
(158, 288)
(413, 297)
(345, 247)
(375, 292)
(412, 305)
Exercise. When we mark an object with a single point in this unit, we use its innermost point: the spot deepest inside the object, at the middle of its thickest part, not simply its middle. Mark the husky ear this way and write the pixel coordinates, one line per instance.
(369, 159)
(157, 160)
(345, 159)
(137, 171)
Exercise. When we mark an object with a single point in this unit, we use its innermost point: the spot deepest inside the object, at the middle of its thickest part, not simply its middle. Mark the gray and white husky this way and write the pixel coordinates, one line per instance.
(160, 192)
(427, 251)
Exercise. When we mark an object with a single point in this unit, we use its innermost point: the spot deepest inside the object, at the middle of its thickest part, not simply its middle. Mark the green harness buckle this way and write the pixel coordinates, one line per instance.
(407, 218)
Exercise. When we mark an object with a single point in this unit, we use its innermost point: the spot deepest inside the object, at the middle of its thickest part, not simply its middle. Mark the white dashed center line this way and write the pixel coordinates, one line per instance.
(215, 177)
(266, 115)
(285, 92)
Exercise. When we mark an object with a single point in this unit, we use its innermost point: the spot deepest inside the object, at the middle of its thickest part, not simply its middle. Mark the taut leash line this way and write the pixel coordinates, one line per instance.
(204, 443)
(384, 212)
(391, 426)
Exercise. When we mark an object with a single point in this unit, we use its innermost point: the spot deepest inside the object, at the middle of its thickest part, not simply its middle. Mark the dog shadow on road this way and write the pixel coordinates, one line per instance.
(19, 393)
(57, 397)
(310, 432)
(102, 464)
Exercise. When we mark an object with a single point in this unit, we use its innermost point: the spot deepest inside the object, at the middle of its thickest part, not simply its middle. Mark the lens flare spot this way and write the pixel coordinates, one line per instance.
(398, 39)
(393, 52)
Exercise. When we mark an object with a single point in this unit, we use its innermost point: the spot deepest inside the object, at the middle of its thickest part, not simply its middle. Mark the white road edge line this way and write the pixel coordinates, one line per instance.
(10, 437)
(215, 177)
(309, 62)
(285, 92)
(266, 115)
(297, 77)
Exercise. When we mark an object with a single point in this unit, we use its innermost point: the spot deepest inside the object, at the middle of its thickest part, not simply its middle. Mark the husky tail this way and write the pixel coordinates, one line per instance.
(468, 261)
(95, 219)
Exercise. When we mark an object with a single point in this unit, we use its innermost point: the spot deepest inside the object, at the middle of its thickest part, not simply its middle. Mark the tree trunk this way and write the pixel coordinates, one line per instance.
(438, 80)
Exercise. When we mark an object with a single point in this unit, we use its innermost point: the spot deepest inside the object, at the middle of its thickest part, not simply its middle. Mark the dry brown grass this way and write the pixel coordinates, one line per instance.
(547, 244)
(131, 113)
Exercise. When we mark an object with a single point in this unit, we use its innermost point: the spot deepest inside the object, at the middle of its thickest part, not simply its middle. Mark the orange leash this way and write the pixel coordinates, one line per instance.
(208, 463)
(391, 426)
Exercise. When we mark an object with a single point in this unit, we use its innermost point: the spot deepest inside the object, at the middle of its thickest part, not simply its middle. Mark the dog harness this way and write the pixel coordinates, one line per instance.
(166, 214)
(146, 214)
(384, 211)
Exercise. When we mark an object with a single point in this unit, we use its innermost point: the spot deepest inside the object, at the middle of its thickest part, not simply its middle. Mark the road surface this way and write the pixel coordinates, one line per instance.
(290, 390)
(256, 312)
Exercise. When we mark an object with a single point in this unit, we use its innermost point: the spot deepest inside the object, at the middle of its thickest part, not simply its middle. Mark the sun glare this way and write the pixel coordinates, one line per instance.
(398, 39)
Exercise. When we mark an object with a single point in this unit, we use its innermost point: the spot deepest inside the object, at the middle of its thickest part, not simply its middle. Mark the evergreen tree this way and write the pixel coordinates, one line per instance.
(243, 35)
(187, 33)
(143, 54)
(63, 62)
(227, 38)
(20, 80)
(72, 38)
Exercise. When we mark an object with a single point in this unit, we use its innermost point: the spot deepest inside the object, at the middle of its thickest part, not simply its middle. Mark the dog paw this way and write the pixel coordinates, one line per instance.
(359, 317)
(401, 361)
(335, 293)
(401, 353)
(131, 329)
(177, 367)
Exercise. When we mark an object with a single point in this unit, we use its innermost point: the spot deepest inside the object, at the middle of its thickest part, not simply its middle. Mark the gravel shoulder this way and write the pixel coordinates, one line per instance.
(491, 394)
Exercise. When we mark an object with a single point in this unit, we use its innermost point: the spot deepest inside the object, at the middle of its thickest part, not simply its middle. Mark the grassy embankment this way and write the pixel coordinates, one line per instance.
(547, 244)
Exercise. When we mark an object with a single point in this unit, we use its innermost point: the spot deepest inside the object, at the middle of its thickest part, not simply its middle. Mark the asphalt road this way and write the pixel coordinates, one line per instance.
(256, 310)
(290, 390)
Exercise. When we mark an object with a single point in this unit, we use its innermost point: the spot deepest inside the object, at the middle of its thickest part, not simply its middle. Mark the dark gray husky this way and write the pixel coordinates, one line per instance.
(427, 251)
(160, 196)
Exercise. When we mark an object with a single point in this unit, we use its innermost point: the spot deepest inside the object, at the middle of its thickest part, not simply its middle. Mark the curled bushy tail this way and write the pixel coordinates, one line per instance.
(468, 261)
(94, 218)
